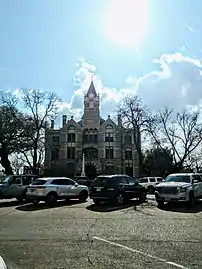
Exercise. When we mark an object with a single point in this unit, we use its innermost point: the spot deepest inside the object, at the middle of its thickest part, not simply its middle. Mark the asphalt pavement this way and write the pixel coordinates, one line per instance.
(75, 235)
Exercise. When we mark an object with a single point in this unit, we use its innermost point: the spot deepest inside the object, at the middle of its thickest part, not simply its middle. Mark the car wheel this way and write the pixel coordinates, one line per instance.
(35, 202)
(160, 204)
(83, 196)
(120, 199)
(143, 197)
(151, 189)
(96, 202)
(191, 199)
(51, 199)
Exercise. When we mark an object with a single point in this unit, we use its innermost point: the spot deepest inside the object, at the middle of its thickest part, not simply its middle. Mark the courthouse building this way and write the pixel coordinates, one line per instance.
(107, 146)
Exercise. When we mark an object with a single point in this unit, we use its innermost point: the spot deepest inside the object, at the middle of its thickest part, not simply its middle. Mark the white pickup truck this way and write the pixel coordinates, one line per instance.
(178, 187)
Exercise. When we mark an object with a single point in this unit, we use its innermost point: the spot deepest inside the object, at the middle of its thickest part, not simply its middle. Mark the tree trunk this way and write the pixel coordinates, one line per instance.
(35, 164)
(5, 161)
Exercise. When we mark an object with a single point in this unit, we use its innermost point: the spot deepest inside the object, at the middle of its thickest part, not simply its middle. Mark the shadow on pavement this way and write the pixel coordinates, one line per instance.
(43, 206)
(9, 203)
(110, 208)
(184, 208)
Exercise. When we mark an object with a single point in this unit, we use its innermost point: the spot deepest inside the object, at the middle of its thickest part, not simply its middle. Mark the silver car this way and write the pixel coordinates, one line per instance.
(56, 188)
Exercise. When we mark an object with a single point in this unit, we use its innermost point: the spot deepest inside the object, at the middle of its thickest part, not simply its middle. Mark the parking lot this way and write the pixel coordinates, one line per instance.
(82, 235)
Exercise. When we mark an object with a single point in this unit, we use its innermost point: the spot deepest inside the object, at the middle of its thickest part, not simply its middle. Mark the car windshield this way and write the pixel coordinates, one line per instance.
(39, 182)
(178, 178)
(6, 179)
(101, 180)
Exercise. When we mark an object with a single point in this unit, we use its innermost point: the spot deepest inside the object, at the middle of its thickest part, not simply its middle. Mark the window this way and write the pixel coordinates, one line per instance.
(109, 127)
(131, 181)
(143, 180)
(72, 128)
(109, 137)
(26, 180)
(54, 154)
(71, 137)
(109, 152)
(91, 153)
(95, 138)
(15, 180)
(62, 182)
(128, 139)
(55, 140)
(159, 179)
(39, 182)
(122, 180)
(71, 152)
(151, 179)
(128, 154)
(197, 177)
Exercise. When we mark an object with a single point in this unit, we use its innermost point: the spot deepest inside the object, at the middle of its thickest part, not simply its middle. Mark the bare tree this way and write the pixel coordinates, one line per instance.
(40, 106)
(17, 163)
(135, 117)
(181, 133)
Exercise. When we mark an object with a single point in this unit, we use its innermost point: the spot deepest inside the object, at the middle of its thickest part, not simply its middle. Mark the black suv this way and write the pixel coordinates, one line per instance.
(116, 189)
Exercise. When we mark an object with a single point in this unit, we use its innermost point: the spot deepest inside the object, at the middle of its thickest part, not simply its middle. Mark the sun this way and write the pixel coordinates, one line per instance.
(125, 22)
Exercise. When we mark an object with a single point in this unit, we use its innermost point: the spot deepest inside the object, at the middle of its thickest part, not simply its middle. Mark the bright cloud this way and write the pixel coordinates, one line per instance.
(176, 82)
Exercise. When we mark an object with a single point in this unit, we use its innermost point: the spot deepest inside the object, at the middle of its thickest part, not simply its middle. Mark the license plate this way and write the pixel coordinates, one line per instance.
(98, 189)
(167, 199)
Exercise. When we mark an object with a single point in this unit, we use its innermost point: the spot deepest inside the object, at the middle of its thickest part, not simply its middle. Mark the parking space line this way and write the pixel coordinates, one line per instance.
(140, 252)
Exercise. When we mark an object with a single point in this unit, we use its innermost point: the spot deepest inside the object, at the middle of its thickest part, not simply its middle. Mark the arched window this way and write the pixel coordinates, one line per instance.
(71, 128)
(109, 133)
(128, 154)
(90, 136)
(71, 136)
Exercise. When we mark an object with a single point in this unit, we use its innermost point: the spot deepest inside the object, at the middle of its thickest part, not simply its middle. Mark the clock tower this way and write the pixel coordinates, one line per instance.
(91, 117)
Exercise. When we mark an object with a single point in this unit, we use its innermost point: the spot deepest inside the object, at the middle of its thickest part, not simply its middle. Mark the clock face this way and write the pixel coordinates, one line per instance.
(91, 95)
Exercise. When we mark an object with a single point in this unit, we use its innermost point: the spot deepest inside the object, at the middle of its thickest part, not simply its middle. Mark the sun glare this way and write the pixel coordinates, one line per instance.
(125, 22)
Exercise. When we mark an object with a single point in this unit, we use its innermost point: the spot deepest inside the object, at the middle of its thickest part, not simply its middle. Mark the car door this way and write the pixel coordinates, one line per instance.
(65, 187)
(123, 185)
(196, 185)
(15, 187)
(135, 187)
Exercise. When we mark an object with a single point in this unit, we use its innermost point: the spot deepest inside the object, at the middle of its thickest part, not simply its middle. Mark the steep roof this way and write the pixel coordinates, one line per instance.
(91, 89)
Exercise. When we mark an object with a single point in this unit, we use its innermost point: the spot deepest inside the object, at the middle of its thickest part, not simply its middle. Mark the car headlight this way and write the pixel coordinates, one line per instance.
(183, 189)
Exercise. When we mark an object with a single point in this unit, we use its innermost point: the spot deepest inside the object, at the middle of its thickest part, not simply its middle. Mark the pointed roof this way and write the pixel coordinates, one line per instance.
(91, 88)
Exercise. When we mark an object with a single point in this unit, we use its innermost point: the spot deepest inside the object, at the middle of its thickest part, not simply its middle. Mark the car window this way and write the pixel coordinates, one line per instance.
(159, 179)
(121, 180)
(15, 180)
(152, 179)
(143, 180)
(131, 180)
(196, 177)
(62, 181)
(39, 182)
(27, 180)
(101, 180)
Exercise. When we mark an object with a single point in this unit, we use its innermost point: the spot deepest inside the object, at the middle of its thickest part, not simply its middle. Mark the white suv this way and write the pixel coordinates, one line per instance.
(150, 183)
(56, 188)
(179, 187)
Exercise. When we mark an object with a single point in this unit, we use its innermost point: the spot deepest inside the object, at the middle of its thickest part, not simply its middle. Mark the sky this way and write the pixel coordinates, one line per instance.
(153, 49)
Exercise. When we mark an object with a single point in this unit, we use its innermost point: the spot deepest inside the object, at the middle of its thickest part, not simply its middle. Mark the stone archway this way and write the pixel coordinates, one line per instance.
(90, 170)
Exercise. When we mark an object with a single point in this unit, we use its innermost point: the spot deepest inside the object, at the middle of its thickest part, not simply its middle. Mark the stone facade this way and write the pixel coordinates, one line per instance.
(108, 147)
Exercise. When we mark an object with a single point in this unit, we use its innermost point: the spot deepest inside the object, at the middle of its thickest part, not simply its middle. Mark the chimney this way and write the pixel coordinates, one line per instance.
(52, 124)
(64, 120)
(119, 120)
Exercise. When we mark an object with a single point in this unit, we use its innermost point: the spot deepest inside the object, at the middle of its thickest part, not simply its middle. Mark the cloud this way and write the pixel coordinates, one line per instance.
(175, 82)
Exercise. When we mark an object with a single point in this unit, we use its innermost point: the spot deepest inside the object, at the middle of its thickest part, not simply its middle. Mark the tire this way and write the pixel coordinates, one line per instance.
(83, 196)
(143, 197)
(96, 202)
(51, 199)
(151, 189)
(120, 199)
(191, 199)
(35, 202)
(160, 204)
